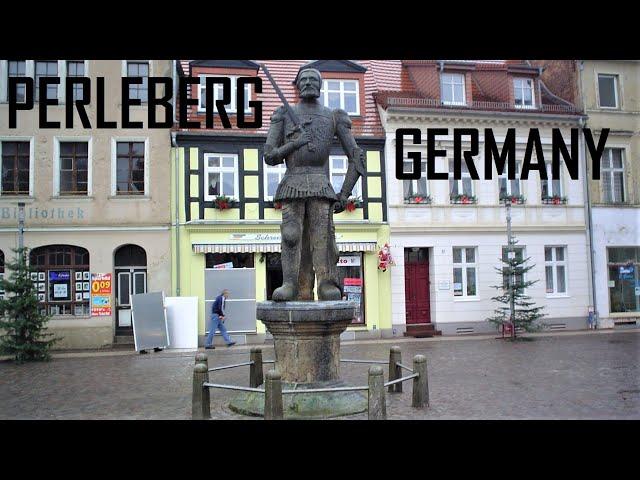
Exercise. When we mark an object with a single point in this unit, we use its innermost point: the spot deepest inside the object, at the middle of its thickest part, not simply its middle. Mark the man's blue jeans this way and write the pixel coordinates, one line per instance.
(216, 324)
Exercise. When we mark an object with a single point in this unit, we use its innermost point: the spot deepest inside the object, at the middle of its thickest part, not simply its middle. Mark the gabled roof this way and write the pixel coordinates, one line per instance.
(225, 64)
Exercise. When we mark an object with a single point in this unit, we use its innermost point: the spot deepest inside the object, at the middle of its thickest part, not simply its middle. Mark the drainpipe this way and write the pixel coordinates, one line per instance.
(590, 258)
(176, 157)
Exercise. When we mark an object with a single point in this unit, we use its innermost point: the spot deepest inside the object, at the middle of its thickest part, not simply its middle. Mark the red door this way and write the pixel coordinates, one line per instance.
(416, 290)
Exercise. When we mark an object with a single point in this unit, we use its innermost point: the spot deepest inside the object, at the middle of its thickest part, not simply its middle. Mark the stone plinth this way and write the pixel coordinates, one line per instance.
(307, 337)
(307, 350)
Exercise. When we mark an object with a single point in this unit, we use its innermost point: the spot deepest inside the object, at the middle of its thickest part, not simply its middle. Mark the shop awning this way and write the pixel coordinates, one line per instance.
(273, 247)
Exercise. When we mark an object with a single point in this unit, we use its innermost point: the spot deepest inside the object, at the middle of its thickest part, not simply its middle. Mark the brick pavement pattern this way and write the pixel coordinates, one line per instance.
(593, 376)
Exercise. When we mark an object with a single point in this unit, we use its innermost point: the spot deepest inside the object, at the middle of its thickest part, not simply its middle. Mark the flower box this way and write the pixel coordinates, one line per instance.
(222, 202)
(463, 199)
(353, 203)
(555, 200)
(513, 199)
(418, 199)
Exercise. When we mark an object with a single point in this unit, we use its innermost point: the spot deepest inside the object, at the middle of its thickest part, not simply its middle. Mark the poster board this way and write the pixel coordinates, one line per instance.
(241, 305)
(149, 320)
(182, 321)
(100, 293)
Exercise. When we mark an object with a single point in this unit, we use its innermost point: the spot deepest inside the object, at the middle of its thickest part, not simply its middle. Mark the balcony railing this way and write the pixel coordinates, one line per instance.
(497, 106)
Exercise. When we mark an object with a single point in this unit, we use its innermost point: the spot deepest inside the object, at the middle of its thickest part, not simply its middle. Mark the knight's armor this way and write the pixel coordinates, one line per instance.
(308, 235)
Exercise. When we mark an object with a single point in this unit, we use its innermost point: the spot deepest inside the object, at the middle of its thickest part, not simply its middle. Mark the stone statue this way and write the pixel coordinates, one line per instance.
(302, 135)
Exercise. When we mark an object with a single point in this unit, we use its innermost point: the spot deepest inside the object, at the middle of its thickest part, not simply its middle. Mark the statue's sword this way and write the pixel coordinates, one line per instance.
(292, 115)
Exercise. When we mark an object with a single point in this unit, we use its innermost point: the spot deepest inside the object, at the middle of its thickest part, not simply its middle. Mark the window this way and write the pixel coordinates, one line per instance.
(608, 91)
(338, 168)
(415, 188)
(509, 188)
(519, 274)
(272, 178)
(16, 157)
(351, 279)
(523, 93)
(130, 175)
(46, 69)
(239, 260)
(139, 69)
(452, 88)
(76, 69)
(62, 279)
(17, 68)
(221, 174)
(551, 188)
(555, 265)
(218, 94)
(624, 279)
(74, 168)
(463, 186)
(464, 272)
(613, 175)
(342, 94)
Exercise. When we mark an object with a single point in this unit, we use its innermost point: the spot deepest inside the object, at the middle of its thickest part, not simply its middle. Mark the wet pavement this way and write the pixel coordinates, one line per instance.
(582, 376)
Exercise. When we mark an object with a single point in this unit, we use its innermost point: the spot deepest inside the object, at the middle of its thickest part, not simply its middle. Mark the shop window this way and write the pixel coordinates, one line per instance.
(62, 279)
(351, 279)
(229, 260)
(624, 279)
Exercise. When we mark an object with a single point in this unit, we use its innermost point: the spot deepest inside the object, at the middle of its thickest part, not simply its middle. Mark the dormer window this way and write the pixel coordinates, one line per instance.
(218, 93)
(452, 89)
(523, 95)
(344, 94)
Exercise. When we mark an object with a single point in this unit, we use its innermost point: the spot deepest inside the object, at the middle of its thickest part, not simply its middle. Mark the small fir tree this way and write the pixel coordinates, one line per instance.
(527, 315)
(22, 326)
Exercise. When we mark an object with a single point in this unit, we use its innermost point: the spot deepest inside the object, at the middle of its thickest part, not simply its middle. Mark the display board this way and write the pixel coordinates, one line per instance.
(182, 321)
(241, 305)
(149, 321)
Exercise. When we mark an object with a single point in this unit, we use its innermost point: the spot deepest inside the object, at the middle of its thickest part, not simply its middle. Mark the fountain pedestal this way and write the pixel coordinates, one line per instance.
(307, 350)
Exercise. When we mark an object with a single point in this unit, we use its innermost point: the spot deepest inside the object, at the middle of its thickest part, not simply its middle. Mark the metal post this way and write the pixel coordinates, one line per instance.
(511, 279)
(377, 407)
(255, 369)
(273, 408)
(202, 358)
(395, 371)
(420, 383)
(200, 404)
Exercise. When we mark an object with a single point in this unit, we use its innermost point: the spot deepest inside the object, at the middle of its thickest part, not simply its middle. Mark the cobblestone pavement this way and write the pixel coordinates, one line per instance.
(583, 376)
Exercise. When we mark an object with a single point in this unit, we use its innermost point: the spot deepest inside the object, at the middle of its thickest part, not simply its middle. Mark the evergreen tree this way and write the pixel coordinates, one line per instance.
(526, 314)
(22, 326)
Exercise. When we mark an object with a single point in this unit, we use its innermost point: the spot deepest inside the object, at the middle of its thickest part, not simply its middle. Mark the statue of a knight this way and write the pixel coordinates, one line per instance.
(308, 199)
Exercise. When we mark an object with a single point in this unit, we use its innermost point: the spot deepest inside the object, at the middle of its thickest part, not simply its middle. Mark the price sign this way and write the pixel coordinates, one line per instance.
(101, 294)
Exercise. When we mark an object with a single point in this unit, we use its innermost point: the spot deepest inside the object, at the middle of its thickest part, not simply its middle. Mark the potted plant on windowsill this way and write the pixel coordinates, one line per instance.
(554, 200)
(353, 203)
(222, 202)
(513, 199)
(418, 199)
(463, 199)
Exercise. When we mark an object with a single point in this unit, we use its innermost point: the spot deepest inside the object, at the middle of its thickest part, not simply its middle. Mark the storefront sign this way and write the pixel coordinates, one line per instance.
(352, 282)
(349, 261)
(100, 294)
(260, 237)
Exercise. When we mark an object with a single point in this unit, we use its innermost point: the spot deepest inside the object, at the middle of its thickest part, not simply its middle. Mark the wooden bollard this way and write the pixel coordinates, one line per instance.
(202, 358)
(255, 369)
(377, 403)
(420, 383)
(200, 403)
(395, 371)
(273, 407)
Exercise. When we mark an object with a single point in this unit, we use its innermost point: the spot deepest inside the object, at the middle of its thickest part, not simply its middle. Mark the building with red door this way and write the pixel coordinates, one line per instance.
(448, 236)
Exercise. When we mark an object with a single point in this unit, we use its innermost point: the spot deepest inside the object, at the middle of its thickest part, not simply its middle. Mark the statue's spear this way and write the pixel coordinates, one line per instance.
(292, 115)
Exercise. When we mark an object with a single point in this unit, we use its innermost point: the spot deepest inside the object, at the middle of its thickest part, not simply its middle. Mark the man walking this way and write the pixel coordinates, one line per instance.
(217, 321)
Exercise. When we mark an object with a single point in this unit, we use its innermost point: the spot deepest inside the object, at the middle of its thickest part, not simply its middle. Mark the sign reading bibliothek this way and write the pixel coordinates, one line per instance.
(100, 294)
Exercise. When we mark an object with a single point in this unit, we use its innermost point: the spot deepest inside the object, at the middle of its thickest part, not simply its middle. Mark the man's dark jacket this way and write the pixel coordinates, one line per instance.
(217, 306)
